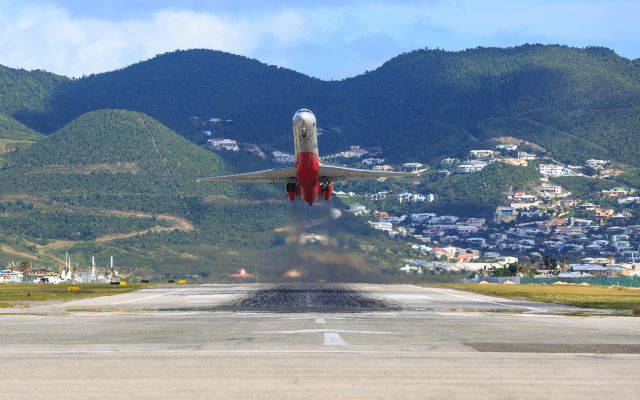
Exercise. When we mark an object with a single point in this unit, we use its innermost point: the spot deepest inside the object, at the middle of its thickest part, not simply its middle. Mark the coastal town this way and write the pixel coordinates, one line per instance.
(545, 223)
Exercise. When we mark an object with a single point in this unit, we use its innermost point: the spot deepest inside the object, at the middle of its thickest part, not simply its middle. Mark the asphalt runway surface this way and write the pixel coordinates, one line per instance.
(315, 341)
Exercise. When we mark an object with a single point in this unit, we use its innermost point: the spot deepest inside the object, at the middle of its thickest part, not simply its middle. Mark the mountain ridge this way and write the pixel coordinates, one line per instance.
(446, 99)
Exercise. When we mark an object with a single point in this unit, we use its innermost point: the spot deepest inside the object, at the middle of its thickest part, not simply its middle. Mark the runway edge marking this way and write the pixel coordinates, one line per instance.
(475, 300)
(147, 297)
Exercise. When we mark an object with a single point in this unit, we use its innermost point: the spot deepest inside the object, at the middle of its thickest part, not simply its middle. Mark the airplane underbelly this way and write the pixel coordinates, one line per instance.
(307, 168)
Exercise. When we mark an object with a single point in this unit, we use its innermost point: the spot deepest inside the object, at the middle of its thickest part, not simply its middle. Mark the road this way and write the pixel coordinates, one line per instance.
(315, 341)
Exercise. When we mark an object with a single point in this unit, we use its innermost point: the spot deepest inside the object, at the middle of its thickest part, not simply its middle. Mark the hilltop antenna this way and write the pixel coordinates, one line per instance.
(113, 272)
(93, 269)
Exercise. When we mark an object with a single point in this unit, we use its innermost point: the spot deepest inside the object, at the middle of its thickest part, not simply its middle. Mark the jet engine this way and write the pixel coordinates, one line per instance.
(292, 191)
(327, 190)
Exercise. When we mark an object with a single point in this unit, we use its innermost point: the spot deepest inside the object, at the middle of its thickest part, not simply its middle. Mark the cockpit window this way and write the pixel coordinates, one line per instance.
(303, 131)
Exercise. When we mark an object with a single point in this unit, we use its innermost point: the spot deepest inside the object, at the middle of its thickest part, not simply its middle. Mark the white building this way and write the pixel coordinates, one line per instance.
(411, 167)
(523, 155)
(358, 209)
(283, 158)
(482, 154)
(468, 168)
(508, 147)
(421, 217)
(223, 144)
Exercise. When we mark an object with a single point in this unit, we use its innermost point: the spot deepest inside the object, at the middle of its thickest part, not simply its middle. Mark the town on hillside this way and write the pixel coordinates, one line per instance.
(579, 234)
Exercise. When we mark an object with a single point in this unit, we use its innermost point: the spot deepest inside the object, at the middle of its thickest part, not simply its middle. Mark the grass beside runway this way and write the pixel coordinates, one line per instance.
(599, 297)
(24, 293)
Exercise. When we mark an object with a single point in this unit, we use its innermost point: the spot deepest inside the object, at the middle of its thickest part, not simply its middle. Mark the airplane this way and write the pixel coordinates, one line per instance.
(308, 179)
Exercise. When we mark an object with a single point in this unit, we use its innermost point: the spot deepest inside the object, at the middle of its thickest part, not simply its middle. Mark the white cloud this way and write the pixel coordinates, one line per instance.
(328, 40)
(49, 38)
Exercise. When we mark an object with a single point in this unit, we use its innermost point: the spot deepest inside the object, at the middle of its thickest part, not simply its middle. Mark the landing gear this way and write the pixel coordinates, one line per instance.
(326, 188)
(292, 191)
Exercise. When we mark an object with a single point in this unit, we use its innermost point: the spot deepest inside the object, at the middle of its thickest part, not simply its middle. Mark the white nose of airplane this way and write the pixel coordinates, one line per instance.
(304, 117)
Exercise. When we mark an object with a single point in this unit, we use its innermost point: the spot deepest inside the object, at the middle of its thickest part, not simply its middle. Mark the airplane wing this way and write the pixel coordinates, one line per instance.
(276, 175)
(335, 174)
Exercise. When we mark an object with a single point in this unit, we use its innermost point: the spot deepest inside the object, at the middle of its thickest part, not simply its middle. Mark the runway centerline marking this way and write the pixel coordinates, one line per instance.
(476, 300)
(320, 321)
(148, 297)
(333, 339)
(329, 330)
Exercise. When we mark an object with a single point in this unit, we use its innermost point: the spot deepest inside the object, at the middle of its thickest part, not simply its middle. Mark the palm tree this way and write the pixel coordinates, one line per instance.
(24, 267)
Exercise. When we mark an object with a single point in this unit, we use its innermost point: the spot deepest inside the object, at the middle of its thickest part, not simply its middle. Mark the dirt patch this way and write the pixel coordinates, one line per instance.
(113, 168)
(59, 244)
(10, 250)
(219, 200)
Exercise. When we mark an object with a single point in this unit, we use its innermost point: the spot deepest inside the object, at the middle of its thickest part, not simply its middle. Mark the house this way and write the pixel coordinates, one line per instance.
(411, 167)
(601, 213)
(381, 225)
(255, 151)
(477, 241)
(411, 269)
(552, 170)
(223, 144)
(358, 209)
(448, 162)
(586, 207)
(505, 214)
(354, 152)
(382, 168)
(421, 217)
(471, 167)
(444, 219)
(568, 202)
(523, 155)
(507, 147)
(466, 257)
(525, 206)
(550, 191)
(373, 161)
(596, 164)
(407, 197)
(448, 251)
(378, 196)
(380, 214)
(482, 154)
(477, 222)
(9, 276)
(517, 162)
(629, 200)
(596, 270)
(466, 229)
(616, 192)
(283, 158)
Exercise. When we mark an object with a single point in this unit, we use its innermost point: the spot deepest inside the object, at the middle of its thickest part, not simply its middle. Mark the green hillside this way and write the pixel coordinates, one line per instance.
(20, 89)
(14, 135)
(576, 103)
(112, 176)
(118, 183)
(10, 129)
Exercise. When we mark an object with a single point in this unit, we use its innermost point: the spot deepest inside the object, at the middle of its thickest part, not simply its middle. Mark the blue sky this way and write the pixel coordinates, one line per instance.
(328, 39)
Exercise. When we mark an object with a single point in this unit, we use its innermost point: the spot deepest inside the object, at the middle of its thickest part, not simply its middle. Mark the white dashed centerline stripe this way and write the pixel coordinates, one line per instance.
(333, 339)
(147, 297)
(320, 321)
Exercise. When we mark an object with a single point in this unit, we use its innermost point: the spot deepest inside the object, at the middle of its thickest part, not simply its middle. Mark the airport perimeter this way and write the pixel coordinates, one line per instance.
(315, 341)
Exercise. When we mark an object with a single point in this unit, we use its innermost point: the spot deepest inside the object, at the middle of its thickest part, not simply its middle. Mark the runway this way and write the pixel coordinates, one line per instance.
(315, 341)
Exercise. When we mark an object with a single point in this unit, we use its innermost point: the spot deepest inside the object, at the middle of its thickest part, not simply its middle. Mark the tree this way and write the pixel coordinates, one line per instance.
(24, 267)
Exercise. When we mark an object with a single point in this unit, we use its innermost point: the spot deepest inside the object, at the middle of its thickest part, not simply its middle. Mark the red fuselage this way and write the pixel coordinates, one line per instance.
(307, 167)
(305, 138)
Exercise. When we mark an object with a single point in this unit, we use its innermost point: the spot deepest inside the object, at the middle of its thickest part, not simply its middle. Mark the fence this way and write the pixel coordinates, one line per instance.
(633, 281)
